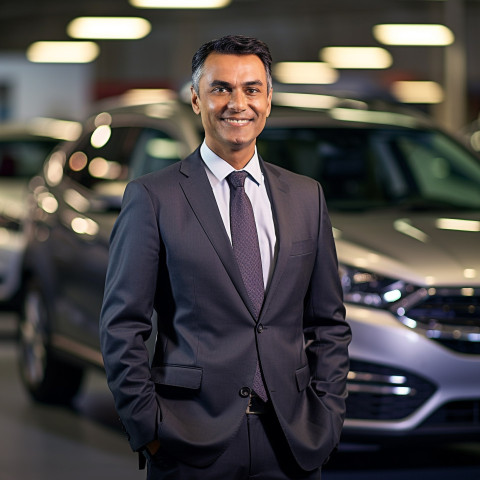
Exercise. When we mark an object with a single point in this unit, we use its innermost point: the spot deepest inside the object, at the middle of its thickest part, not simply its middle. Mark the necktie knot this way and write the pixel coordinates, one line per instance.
(237, 178)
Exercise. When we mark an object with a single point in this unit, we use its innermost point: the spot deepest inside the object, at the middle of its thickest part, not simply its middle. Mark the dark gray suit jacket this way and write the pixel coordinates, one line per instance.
(170, 252)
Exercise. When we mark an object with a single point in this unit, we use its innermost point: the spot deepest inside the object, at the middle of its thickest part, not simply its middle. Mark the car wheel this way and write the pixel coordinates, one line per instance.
(47, 378)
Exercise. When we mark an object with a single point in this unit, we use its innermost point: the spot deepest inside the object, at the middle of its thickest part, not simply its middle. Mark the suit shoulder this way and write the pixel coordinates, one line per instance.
(291, 178)
(159, 176)
(168, 174)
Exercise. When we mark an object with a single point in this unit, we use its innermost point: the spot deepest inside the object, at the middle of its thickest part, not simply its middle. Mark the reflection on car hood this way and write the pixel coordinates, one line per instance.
(13, 197)
(421, 248)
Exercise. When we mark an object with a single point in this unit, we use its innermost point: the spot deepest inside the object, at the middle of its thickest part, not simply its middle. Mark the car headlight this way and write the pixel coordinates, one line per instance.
(368, 288)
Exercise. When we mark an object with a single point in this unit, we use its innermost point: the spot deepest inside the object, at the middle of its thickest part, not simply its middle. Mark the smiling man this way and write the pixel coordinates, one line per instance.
(234, 97)
(237, 258)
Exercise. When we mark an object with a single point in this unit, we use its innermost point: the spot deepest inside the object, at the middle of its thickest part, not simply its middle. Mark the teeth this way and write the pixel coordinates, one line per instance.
(237, 122)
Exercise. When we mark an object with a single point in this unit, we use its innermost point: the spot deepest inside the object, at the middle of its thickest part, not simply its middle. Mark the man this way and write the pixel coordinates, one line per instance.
(248, 378)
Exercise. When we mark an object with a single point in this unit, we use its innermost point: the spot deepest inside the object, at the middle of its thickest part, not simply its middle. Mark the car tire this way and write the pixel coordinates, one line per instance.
(47, 378)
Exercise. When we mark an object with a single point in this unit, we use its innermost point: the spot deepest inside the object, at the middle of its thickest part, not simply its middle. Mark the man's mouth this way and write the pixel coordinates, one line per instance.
(237, 121)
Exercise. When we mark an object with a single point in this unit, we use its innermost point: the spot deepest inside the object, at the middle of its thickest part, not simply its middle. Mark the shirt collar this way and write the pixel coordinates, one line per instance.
(221, 169)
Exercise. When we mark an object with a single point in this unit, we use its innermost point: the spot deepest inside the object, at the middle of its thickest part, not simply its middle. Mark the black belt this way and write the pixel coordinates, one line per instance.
(256, 406)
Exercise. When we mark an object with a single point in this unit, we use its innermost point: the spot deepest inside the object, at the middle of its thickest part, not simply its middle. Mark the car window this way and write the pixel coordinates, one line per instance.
(23, 158)
(116, 155)
(442, 170)
(154, 151)
(377, 167)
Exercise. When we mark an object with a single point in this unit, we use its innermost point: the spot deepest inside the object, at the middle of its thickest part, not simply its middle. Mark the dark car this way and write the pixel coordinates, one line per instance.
(404, 199)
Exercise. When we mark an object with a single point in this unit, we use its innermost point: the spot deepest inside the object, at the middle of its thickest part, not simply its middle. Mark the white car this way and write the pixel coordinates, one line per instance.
(23, 149)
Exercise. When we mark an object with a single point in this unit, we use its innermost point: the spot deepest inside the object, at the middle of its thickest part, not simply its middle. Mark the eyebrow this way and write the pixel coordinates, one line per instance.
(221, 83)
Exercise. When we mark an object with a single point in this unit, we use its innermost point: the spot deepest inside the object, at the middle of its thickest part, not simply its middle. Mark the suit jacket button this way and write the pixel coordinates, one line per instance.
(245, 392)
(259, 328)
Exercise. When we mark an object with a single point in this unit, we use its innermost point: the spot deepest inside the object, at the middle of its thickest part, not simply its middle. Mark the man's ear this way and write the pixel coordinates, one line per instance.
(195, 101)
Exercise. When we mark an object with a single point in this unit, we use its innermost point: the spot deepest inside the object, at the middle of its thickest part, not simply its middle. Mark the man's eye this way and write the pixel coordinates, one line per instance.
(220, 89)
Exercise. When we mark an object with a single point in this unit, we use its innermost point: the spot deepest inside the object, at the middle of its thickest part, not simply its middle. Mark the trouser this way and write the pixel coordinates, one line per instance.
(259, 451)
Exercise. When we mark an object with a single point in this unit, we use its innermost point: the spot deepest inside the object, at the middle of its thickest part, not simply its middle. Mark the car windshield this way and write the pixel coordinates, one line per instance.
(379, 167)
(23, 158)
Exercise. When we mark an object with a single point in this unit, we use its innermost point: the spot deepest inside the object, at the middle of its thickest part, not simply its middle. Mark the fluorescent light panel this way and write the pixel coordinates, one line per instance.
(413, 34)
(422, 92)
(180, 3)
(356, 57)
(109, 27)
(63, 52)
(305, 73)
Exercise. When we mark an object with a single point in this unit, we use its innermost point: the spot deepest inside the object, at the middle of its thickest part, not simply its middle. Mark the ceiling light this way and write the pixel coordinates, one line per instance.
(413, 34)
(305, 73)
(469, 273)
(356, 57)
(422, 92)
(109, 27)
(179, 3)
(63, 52)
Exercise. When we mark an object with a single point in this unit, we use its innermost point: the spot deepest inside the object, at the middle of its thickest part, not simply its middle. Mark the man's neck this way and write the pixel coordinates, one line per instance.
(236, 158)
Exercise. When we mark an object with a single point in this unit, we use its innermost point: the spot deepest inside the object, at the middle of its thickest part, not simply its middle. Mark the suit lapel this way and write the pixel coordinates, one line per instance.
(278, 192)
(199, 194)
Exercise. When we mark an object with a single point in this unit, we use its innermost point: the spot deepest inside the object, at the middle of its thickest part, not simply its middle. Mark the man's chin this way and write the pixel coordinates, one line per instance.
(240, 144)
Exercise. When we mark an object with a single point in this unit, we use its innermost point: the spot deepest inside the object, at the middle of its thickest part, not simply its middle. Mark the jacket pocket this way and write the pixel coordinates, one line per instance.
(303, 247)
(303, 377)
(178, 376)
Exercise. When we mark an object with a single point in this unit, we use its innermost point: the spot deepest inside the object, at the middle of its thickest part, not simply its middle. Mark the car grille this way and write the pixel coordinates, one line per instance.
(465, 413)
(378, 392)
(449, 316)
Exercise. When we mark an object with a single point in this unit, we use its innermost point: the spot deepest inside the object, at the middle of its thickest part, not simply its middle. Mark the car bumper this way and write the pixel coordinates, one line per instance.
(402, 383)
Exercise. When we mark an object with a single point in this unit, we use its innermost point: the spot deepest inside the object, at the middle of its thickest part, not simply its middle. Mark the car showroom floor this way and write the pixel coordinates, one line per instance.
(50, 443)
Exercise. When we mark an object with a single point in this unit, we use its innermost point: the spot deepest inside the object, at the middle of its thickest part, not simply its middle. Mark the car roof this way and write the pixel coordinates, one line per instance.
(288, 109)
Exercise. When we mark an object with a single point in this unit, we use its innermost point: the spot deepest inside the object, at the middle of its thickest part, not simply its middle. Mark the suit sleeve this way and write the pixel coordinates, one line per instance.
(125, 322)
(327, 334)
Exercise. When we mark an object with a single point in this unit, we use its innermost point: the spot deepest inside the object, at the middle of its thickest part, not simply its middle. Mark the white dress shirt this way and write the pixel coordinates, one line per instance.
(217, 171)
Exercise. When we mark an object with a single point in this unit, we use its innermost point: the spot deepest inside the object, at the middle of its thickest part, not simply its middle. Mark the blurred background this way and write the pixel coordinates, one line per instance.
(67, 59)
(444, 60)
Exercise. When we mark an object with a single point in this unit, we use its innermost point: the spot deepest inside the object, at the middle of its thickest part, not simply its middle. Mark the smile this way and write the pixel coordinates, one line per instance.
(235, 121)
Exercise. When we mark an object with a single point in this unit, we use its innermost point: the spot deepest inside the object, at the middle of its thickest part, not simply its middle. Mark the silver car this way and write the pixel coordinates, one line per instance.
(404, 199)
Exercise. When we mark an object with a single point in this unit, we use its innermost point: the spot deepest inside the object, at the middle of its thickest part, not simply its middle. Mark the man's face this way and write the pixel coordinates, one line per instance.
(233, 102)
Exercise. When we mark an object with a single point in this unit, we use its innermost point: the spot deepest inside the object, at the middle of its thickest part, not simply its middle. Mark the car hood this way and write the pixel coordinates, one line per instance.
(415, 247)
(13, 197)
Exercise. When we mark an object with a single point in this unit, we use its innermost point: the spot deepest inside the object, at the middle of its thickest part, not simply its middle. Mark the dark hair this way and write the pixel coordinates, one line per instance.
(232, 45)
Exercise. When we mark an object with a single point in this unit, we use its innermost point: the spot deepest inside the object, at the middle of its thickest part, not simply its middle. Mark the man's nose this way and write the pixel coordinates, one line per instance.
(238, 101)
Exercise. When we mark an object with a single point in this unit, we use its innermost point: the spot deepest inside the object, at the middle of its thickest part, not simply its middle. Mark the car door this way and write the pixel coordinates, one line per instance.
(89, 197)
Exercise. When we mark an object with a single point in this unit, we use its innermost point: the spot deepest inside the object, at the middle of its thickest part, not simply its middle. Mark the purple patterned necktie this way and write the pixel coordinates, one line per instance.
(247, 252)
